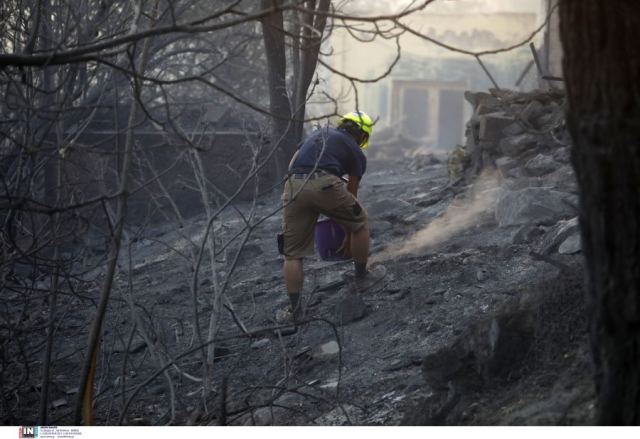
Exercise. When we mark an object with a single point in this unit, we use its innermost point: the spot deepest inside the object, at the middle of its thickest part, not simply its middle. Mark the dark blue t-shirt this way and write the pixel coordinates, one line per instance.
(341, 154)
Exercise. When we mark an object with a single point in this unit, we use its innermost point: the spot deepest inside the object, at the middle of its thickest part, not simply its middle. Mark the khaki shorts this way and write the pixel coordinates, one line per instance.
(305, 200)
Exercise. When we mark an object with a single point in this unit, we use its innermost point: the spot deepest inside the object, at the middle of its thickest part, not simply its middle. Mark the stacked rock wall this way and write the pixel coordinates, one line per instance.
(523, 138)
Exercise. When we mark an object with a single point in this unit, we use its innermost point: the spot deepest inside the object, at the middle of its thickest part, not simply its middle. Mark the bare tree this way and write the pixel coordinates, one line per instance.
(83, 83)
(288, 102)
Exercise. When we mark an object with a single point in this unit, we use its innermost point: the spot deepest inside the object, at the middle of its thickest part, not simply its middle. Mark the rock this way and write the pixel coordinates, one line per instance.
(516, 145)
(521, 181)
(509, 167)
(421, 161)
(514, 129)
(350, 309)
(531, 206)
(326, 351)
(258, 344)
(558, 234)
(505, 164)
(71, 391)
(541, 165)
(492, 125)
(571, 245)
(483, 109)
(481, 98)
(562, 178)
(527, 233)
(532, 111)
(562, 154)
(554, 116)
(59, 403)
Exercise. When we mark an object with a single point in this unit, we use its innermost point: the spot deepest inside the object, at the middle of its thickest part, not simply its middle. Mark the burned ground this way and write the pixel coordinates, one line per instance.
(478, 322)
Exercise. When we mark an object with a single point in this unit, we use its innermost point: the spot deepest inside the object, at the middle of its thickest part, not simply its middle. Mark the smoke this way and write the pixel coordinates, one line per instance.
(459, 215)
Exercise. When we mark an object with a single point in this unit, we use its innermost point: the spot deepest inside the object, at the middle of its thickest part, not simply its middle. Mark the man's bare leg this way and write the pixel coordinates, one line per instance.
(294, 281)
(360, 250)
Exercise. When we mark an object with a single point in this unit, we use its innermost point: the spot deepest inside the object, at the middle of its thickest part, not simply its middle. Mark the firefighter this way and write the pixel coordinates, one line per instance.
(315, 187)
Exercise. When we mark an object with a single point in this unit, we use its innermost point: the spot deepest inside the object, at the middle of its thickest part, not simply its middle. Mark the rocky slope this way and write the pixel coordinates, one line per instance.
(480, 319)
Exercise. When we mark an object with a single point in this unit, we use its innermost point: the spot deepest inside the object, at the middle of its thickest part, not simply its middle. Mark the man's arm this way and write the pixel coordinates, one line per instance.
(353, 184)
(352, 187)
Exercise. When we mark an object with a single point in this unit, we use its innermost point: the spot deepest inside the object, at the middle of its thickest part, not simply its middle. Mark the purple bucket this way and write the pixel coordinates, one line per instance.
(329, 237)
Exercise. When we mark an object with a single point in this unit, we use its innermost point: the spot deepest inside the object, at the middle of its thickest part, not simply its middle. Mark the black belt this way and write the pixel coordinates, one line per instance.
(312, 175)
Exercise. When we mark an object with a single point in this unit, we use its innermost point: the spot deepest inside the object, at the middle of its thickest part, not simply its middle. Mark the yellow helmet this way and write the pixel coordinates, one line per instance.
(364, 122)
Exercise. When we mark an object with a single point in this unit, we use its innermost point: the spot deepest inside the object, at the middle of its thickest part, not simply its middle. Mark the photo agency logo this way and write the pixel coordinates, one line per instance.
(27, 432)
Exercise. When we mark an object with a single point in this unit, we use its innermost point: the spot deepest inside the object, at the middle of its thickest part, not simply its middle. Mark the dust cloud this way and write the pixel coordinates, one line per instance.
(480, 198)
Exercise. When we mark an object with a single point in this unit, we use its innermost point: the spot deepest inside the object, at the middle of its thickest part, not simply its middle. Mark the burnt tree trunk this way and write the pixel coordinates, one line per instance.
(282, 129)
(310, 39)
(602, 73)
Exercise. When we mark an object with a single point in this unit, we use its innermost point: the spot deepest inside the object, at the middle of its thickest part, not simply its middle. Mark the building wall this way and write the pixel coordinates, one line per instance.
(437, 68)
(554, 56)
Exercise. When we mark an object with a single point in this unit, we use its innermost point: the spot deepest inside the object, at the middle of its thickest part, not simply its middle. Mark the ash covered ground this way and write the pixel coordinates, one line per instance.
(480, 320)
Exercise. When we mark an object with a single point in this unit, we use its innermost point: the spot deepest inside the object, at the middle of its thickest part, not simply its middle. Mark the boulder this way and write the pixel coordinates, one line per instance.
(533, 205)
(481, 98)
(571, 245)
(519, 180)
(326, 351)
(532, 111)
(505, 165)
(541, 165)
(350, 308)
(514, 129)
(527, 233)
(516, 145)
(558, 234)
(492, 125)
(562, 154)
(484, 108)
(562, 178)
(553, 116)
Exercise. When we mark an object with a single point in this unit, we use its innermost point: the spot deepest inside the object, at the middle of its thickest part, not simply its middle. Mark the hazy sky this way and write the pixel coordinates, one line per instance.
(489, 5)
(448, 6)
